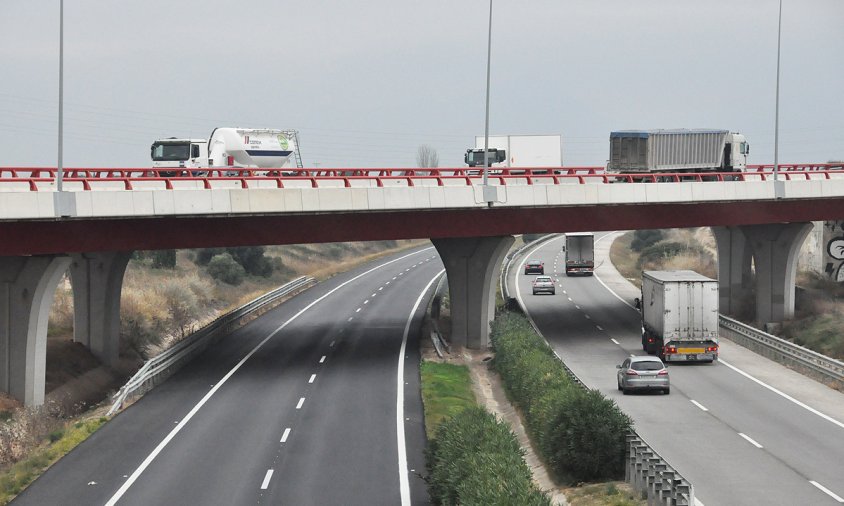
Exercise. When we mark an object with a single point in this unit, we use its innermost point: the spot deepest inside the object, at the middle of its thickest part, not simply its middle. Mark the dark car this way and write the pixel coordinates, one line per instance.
(534, 267)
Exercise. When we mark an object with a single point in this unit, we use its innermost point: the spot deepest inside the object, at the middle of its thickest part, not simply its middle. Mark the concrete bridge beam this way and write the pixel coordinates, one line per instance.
(734, 268)
(97, 280)
(775, 248)
(472, 265)
(27, 288)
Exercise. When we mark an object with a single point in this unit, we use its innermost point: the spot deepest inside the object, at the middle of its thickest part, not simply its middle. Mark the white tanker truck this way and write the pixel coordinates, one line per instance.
(229, 148)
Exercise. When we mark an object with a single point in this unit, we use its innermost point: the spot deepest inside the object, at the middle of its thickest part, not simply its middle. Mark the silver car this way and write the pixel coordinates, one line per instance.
(643, 373)
(543, 284)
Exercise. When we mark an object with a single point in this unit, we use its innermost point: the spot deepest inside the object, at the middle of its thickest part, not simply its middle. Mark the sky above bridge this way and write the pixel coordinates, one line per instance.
(366, 83)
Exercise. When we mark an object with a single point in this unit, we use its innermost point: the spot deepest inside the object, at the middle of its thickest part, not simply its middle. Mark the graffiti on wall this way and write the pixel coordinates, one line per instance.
(833, 239)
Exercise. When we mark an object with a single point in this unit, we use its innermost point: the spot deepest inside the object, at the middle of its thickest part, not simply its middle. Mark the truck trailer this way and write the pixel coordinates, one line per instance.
(230, 148)
(580, 253)
(679, 316)
(655, 151)
(526, 151)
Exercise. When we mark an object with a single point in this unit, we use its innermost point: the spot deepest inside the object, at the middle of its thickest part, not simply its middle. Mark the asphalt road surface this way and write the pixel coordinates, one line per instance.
(315, 402)
(743, 431)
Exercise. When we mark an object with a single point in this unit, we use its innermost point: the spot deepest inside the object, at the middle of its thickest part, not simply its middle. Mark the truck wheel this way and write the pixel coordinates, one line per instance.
(625, 391)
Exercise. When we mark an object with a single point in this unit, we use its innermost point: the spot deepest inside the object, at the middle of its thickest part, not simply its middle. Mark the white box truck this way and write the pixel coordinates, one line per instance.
(528, 151)
(681, 150)
(230, 147)
(580, 253)
(679, 316)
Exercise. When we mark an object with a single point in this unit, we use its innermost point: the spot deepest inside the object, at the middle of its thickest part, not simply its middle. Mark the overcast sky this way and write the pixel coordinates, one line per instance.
(366, 83)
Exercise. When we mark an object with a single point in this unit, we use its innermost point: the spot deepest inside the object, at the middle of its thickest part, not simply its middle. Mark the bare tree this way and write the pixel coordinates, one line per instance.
(427, 157)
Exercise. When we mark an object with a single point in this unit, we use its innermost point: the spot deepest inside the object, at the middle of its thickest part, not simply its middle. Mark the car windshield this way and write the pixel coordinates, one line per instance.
(170, 152)
(646, 365)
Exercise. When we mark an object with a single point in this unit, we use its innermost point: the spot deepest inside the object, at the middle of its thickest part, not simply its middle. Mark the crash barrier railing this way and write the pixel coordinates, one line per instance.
(812, 363)
(87, 179)
(649, 473)
(163, 365)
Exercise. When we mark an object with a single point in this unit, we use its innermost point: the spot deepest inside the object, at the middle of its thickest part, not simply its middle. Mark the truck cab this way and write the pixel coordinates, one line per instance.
(179, 153)
(736, 150)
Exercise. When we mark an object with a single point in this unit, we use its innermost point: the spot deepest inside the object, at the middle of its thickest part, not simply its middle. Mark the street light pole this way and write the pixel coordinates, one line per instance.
(777, 109)
(61, 93)
(486, 120)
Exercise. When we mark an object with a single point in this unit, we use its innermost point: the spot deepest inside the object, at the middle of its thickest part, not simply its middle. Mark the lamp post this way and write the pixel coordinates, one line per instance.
(486, 119)
(777, 108)
(59, 175)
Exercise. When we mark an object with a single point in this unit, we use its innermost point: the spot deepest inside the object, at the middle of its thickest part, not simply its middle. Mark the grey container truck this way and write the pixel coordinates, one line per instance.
(679, 316)
(580, 253)
(654, 151)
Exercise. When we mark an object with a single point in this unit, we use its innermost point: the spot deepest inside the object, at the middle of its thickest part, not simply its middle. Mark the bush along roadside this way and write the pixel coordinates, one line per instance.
(476, 460)
(579, 433)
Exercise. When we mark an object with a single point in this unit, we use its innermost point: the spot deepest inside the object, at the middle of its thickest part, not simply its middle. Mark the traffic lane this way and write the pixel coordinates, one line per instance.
(94, 470)
(344, 450)
(263, 400)
(725, 476)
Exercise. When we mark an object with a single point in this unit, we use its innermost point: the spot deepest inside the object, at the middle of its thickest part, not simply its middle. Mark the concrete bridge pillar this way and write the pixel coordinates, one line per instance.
(775, 248)
(472, 265)
(97, 280)
(27, 288)
(734, 268)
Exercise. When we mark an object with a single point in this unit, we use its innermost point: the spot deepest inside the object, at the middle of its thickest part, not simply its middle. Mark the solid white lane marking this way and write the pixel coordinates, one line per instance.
(322, 359)
(616, 342)
(285, 435)
(784, 395)
(697, 502)
(404, 481)
(827, 491)
(750, 440)
(148, 460)
(313, 377)
(696, 403)
(267, 479)
(302, 401)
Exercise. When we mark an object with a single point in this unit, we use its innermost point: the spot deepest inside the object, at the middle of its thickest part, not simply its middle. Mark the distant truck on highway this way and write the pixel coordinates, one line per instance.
(526, 151)
(230, 147)
(679, 316)
(655, 151)
(580, 253)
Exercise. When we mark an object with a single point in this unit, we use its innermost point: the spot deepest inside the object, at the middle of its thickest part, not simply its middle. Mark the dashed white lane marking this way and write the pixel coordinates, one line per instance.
(380, 288)
(313, 377)
(366, 301)
(302, 401)
(569, 298)
(285, 435)
(616, 342)
(332, 344)
(564, 292)
(750, 440)
(350, 318)
(701, 406)
(576, 306)
(587, 317)
(827, 491)
(357, 310)
(401, 274)
(373, 295)
(599, 328)
(387, 283)
(322, 359)
(267, 479)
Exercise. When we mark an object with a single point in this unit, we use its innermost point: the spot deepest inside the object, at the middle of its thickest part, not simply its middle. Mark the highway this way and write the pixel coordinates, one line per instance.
(300, 406)
(743, 431)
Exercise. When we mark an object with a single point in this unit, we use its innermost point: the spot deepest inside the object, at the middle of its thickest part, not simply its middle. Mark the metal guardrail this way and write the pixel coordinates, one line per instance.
(820, 366)
(163, 365)
(649, 473)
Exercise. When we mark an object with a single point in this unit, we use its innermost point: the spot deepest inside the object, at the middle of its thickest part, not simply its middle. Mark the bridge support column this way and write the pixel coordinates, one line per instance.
(775, 249)
(97, 280)
(472, 265)
(734, 268)
(27, 288)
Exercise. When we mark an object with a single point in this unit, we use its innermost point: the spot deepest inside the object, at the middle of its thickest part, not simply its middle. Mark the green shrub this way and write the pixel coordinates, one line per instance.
(224, 268)
(665, 250)
(579, 433)
(164, 259)
(645, 238)
(476, 460)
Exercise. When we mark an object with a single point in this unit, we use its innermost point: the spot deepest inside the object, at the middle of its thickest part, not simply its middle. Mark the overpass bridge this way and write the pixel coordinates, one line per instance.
(103, 215)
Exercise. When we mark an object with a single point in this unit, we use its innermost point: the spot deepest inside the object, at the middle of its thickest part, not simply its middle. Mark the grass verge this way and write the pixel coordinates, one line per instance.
(604, 494)
(60, 442)
(446, 391)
